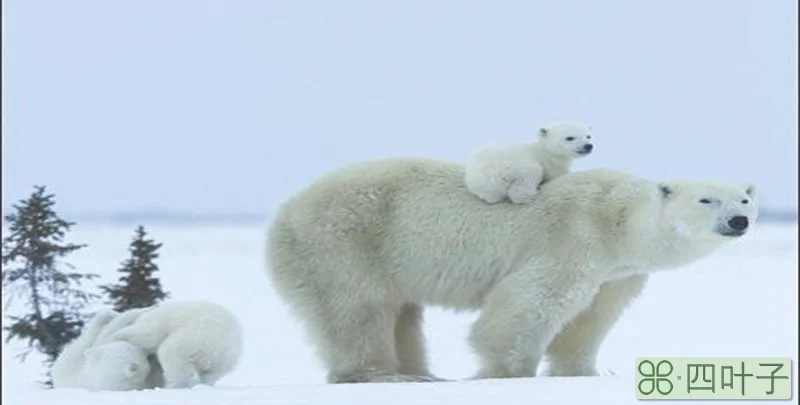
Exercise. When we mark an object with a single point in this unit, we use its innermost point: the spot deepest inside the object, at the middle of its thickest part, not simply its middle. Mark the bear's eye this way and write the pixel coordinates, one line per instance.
(588, 137)
(745, 201)
(705, 201)
(570, 138)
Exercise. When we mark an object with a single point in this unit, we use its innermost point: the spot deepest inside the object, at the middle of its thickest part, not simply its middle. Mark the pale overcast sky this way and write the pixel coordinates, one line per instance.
(231, 106)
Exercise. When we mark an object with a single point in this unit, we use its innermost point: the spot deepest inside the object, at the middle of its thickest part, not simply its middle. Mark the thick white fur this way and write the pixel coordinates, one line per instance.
(194, 341)
(155, 379)
(119, 321)
(514, 171)
(107, 366)
(359, 252)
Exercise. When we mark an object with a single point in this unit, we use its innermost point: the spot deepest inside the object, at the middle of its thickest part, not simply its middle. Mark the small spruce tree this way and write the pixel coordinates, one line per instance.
(138, 287)
(31, 269)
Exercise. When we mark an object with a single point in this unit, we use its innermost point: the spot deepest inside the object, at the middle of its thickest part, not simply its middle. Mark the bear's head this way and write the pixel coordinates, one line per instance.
(115, 366)
(566, 139)
(708, 213)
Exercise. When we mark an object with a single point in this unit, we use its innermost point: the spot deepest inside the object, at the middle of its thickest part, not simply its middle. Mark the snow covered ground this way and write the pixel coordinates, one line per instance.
(740, 302)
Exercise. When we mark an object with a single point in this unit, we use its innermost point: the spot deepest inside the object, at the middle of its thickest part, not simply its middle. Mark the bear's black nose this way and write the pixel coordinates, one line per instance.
(738, 223)
(588, 147)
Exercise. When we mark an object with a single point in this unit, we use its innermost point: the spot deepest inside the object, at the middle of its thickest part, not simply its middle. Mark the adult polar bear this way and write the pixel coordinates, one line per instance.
(359, 253)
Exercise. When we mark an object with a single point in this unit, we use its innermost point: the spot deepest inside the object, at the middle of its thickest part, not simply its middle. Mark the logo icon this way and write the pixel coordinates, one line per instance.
(656, 376)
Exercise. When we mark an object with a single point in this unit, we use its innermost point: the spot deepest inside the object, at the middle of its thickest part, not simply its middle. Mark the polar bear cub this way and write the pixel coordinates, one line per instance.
(111, 366)
(514, 171)
(195, 341)
(155, 379)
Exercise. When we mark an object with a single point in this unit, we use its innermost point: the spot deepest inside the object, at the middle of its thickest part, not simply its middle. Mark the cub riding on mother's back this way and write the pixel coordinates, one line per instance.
(514, 171)
(361, 251)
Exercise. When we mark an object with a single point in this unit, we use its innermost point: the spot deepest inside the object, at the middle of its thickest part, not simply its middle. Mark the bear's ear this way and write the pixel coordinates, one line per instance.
(91, 353)
(666, 190)
(131, 369)
(543, 132)
(750, 189)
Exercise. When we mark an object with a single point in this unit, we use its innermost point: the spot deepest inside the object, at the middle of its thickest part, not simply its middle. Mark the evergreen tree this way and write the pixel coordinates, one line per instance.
(31, 270)
(137, 287)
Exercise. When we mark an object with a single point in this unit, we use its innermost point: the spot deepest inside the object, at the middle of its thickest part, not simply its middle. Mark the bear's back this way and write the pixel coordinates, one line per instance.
(393, 198)
(415, 221)
(176, 314)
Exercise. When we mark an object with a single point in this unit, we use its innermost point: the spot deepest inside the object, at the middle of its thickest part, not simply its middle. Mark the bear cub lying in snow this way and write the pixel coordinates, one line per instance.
(514, 171)
(173, 345)
(195, 342)
(112, 366)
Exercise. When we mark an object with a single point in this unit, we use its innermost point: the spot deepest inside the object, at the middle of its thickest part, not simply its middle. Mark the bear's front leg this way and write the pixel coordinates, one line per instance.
(573, 351)
(520, 317)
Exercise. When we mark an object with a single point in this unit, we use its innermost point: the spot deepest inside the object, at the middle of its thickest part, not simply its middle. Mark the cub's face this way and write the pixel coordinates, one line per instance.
(567, 139)
(709, 211)
(116, 366)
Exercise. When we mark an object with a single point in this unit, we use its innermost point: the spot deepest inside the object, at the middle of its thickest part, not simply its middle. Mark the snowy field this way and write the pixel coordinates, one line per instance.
(740, 302)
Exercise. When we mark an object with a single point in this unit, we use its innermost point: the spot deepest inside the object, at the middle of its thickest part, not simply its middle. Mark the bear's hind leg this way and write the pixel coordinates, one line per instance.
(489, 187)
(524, 189)
(410, 342)
(346, 306)
(357, 342)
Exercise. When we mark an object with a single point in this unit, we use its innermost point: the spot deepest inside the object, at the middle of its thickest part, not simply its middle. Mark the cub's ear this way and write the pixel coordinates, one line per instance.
(750, 189)
(543, 132)
(131, 369)
(91, 353)
(666, 190)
